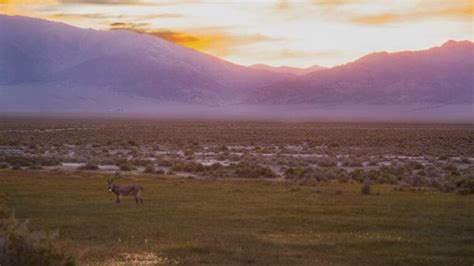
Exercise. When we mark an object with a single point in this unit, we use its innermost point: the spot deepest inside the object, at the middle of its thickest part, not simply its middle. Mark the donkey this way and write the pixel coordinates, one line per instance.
(120, 191)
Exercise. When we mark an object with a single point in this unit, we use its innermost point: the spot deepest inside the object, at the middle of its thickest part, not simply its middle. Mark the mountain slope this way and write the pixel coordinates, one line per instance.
(440, 75)
(56, 68)
(55, 55)
(287, 70)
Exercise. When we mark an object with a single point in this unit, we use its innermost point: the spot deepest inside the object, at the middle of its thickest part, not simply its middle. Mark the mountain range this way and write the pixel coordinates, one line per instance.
(54, 67)
(287, 69)
(440, 75)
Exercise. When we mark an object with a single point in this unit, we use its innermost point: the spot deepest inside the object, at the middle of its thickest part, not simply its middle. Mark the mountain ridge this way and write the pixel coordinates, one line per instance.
(443, 74)
(288, 69)
(126, 61)
(51, 66)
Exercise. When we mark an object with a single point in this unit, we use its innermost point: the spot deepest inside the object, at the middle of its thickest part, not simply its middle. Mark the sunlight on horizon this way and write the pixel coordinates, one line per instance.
(293, 33)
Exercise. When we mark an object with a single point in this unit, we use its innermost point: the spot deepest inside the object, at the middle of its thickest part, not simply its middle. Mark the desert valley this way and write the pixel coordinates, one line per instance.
(119, 147)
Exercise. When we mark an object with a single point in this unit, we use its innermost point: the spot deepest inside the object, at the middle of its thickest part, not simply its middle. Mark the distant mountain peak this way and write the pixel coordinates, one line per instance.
(451, 44)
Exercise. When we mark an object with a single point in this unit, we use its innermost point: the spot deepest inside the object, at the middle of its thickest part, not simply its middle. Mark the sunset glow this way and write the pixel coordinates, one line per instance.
(294, 33)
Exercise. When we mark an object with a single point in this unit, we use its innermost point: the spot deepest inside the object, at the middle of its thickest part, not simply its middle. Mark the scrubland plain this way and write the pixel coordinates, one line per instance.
(238, 192)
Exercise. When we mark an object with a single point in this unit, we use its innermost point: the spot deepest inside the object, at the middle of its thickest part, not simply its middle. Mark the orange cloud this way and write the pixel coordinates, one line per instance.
(216, 43)
(376, 19)
(104, 18)
(209, 40)
(285, 5)
(420, 10)
(465, 12)
(22, 2)
(12, 7)
(107, 2)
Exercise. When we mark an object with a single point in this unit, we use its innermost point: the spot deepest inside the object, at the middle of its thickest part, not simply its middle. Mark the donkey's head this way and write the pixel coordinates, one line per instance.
(109, 182)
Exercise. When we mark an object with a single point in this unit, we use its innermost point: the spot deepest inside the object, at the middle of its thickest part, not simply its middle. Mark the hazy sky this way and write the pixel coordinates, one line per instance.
(296, 33)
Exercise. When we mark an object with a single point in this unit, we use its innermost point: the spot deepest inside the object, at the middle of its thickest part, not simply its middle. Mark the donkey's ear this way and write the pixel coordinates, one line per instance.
(109, 181)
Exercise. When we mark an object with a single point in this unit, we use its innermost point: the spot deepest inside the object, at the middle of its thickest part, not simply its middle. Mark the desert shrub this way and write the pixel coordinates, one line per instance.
(468, 172)
(48, 161)
(464, 185)
(189, 153)
(401, 186)
(298, 172)
(16, 166)
(4, 165)
(358, 175)
(165, 163)
(234, 157)
(215, 167)
(160, 171)
(107, 162)
(387, 175)
(32, 146)
(318, 175)
(340, 174)
(89, 166)
(119, 161)
(352, 163)
(451, 169)
(373, 163)
(132, 143)
(374, 175)
(447, 187)
(20, 160)
(150, 169)
(333, 173)
(19, 245)
(35, 167)
(249, 170)
(334, 145)
(187, 167)
(365, 190)
(327, 163)
(223, 156)
(133, 152)
(418, 180)
(126, 167)
(415, 165)
(141, 162)
(465, 160)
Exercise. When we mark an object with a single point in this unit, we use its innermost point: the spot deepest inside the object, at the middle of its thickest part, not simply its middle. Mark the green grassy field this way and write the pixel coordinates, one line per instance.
(191, 221)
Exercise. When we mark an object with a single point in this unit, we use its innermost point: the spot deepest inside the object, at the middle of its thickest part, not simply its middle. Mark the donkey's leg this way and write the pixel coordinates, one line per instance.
(139, 197)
